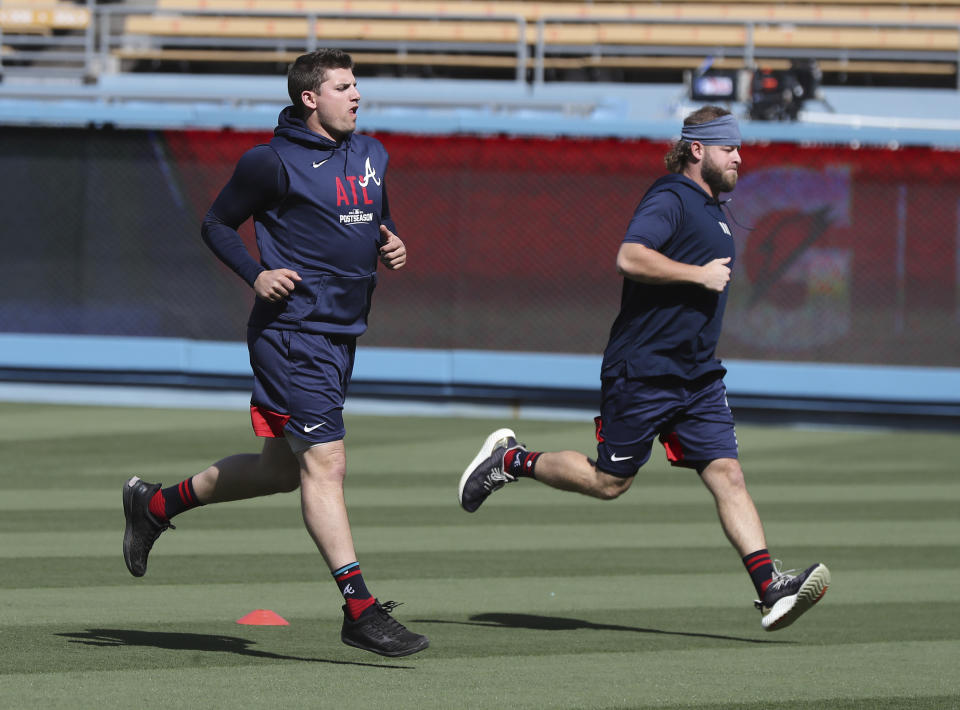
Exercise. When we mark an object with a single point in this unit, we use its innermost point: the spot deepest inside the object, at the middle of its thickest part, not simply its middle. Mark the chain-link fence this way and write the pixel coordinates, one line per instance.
(844, 255)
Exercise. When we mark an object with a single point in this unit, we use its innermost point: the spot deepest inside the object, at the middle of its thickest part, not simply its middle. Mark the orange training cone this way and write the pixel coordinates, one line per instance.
(263, 617)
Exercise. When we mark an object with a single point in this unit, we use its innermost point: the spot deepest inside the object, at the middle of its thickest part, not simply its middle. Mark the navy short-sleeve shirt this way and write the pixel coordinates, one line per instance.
(672, 329)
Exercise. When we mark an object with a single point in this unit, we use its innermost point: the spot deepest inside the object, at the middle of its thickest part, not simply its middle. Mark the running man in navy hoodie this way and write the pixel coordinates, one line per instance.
(318, 199)
(660, 376)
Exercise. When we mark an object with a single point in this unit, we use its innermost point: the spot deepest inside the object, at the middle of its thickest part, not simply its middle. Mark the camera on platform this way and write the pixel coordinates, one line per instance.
(769, 94)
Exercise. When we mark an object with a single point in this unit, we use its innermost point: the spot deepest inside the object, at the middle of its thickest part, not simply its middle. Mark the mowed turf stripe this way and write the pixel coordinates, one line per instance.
(145, 602)
(522, 494)
(224, 518)
(474, 632)
(685, 678)
(238, 567)
(70, 476)
(476, 536)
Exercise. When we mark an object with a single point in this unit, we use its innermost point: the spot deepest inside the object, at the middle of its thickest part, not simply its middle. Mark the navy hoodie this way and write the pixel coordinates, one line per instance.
(672, 329)
(317, 208)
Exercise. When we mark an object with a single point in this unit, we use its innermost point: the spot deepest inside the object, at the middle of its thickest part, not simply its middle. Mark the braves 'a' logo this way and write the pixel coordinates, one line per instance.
(369, 174)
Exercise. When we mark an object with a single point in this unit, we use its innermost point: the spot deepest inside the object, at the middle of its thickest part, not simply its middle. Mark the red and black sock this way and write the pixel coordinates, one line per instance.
(760, 568)
(354, 589)
(174, 500)
(520, 462)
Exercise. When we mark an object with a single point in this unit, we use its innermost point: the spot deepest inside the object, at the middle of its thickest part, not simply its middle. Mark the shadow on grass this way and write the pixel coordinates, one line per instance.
(195, 642)
(559, 623)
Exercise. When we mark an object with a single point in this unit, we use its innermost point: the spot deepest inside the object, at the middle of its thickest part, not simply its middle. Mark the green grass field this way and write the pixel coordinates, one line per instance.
(542, 599)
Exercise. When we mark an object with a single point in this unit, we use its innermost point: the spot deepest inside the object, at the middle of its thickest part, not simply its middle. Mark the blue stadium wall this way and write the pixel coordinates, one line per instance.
(846, 295)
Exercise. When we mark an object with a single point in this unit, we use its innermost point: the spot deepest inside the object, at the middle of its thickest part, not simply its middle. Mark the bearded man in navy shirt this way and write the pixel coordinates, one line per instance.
(317, 195)
(660, 374)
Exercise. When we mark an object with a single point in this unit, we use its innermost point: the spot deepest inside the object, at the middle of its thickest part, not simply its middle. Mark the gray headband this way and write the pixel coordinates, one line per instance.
(719, 131)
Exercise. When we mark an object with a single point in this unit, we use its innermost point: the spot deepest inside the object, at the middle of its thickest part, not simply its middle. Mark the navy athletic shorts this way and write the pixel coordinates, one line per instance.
(300, 382)
(692, 419)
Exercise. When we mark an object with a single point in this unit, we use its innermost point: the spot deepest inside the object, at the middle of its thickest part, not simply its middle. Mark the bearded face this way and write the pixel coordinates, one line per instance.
(720, 167)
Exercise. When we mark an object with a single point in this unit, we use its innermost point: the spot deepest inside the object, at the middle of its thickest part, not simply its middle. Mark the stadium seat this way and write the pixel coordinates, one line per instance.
(882, 36)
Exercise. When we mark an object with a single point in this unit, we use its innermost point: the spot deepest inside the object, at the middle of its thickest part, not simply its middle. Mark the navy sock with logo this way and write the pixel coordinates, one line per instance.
(354, 589)
(174, 500)
(519, 462)
(760, 568)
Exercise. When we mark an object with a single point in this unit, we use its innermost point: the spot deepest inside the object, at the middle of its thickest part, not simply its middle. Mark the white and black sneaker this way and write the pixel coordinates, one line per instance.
(789, 596)
(486, 473)
(376, 631)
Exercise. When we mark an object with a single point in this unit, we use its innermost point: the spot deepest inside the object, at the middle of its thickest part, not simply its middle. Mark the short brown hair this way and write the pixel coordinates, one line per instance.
(309, 71)
(679, 154)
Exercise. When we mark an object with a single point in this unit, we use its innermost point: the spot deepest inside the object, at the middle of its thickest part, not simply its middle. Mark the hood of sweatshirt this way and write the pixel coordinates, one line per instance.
(294, 128)
(675, 180)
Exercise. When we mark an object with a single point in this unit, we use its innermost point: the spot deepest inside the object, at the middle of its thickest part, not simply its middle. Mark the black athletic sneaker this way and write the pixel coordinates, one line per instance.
(789, 596)
(486, 473)
(142, 528)
(379, 632)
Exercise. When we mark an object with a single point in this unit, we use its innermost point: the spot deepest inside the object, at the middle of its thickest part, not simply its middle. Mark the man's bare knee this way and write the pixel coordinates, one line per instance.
(610, 487)
(323, 464)
(724, 476)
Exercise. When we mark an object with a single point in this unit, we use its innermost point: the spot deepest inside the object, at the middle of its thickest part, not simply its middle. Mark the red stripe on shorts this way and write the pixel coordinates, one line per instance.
(671, 442)
(267, 423)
